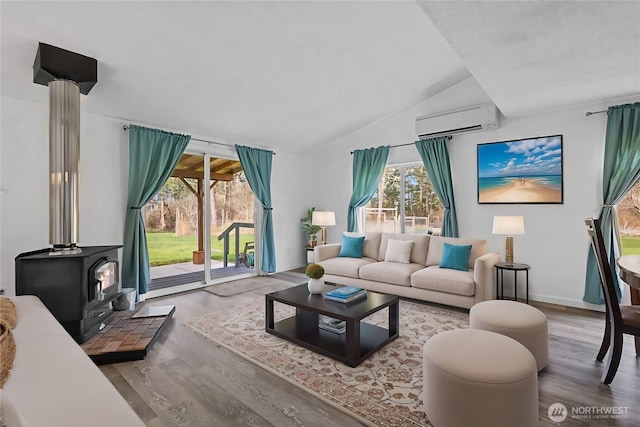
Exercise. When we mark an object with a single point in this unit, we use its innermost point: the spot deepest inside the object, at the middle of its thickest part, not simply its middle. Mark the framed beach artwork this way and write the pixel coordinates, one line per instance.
(521, 171)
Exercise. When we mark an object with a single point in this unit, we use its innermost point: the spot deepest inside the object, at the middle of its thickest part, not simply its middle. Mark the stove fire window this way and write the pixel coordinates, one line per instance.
(102, 275)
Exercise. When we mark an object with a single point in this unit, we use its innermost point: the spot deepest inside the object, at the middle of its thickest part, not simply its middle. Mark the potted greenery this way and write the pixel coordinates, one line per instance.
(315, 272)
(310, 229)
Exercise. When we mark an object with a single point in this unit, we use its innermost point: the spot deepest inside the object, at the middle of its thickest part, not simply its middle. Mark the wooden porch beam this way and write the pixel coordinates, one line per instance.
(223, 165)
(200, 215)
(200, 175)
(191, 161)
(193, 190)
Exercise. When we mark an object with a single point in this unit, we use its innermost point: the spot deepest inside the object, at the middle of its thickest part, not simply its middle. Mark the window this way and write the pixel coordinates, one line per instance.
(404, 203)
(629, 221)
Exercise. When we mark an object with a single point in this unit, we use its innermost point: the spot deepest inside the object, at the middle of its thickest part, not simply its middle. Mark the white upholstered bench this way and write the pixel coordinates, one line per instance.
(479, 378)
(519, 321)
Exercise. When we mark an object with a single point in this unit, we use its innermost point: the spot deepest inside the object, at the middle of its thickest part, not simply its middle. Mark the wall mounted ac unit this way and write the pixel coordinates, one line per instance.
(480, 117)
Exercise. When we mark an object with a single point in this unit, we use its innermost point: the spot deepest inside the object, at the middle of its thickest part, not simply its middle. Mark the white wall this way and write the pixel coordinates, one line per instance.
(555, 244)
(104, 163)
(291, 198)
(24, 177)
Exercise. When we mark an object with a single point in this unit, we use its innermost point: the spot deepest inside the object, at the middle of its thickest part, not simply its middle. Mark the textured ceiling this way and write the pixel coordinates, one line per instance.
(298, 76)
(534, 56)
(287, 75)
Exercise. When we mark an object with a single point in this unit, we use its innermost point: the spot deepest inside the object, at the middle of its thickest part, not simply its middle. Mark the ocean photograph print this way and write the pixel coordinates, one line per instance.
(521, 171)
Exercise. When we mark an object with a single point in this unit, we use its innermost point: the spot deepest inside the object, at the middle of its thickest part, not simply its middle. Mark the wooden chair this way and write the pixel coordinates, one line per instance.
(619, 319)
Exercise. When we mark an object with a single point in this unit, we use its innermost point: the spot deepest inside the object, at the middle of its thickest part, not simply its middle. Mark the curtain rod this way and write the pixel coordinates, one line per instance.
(590, 113)
(409, 143)
(126, 127)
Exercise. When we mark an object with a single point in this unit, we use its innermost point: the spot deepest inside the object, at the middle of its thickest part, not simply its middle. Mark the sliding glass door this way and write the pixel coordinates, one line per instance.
(174, 240)
(201, 224)
(231, 220)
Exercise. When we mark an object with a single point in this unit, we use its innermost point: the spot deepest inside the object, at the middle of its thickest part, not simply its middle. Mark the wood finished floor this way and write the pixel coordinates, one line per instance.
(187, 380)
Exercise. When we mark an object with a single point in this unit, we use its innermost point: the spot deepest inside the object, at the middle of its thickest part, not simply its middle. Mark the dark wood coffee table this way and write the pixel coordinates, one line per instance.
(360, 340)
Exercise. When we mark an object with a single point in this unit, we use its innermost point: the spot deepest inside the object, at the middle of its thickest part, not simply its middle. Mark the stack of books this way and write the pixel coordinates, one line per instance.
(345, 294)
(330, 324)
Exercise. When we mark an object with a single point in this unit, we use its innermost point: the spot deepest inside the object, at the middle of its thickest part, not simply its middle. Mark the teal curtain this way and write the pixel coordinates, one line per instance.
(256, 164)
(368, 166)
(153, 154)
(435, 156)
(621, 172)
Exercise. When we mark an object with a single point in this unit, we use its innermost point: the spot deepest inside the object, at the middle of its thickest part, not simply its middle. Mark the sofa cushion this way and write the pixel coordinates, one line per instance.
(398, 251)
(351, 247)
(434, 278)
(436, 247)
(455, 257)
(347, 267)
(396, 273)
(371, 243)
(418, 252)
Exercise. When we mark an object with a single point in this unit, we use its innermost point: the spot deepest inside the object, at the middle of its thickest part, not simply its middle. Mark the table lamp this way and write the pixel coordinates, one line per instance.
(510, 226)
(323, 219)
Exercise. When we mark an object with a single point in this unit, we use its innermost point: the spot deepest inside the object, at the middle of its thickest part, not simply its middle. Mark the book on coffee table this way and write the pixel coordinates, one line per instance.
(346, 294)
(332, 325)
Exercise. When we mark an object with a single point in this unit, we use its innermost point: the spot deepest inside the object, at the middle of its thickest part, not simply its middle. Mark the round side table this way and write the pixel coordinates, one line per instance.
(515, 267)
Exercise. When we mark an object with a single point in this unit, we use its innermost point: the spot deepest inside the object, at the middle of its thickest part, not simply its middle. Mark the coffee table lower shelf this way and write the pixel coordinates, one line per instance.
(330, 344)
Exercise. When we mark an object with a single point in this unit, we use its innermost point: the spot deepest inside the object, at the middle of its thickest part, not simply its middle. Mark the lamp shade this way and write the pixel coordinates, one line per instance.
(323, 219)
(509, 225)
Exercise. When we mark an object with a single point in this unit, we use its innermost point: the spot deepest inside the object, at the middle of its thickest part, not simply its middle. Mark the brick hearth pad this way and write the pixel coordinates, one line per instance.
(125, 339)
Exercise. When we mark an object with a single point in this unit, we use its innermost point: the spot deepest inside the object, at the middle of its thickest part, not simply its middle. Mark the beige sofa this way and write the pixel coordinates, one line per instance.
(53, 382)
(421, 278)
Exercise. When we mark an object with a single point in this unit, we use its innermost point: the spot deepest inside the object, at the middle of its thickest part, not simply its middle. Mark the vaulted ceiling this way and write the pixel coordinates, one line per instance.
(298, 76)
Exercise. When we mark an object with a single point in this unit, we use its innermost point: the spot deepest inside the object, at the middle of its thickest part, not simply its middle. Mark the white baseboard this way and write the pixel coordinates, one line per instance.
(566, 301)
(291, 267)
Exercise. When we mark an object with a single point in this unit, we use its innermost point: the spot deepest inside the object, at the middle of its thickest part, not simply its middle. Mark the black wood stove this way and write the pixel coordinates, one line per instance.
(77, 284)
(76, 287)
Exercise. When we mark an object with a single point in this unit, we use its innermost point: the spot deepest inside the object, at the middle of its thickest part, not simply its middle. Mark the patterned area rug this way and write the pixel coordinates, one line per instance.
(236, 287)
(385, 390)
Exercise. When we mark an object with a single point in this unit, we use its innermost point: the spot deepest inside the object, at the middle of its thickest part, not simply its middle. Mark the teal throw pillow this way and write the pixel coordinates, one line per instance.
(351, 247)
(455, 257)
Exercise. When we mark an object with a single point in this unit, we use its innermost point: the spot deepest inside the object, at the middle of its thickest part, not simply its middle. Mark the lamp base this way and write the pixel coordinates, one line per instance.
(324, 235)
(508, 254)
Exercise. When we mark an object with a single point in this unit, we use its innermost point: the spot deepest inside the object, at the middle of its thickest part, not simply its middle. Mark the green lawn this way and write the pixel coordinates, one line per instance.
(165, 248)
(630, 245)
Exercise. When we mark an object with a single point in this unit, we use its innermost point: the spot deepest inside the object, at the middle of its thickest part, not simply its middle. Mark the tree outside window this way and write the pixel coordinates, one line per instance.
(405, 202)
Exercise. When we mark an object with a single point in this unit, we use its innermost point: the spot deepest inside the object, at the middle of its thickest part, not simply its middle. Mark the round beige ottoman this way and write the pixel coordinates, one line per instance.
(479, 378)
(523, 323)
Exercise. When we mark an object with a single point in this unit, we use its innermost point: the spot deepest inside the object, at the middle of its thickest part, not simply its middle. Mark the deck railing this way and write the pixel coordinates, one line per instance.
(236, 226)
